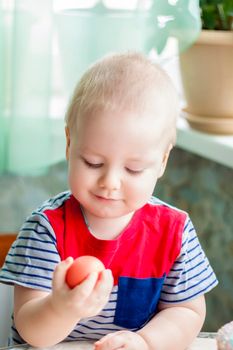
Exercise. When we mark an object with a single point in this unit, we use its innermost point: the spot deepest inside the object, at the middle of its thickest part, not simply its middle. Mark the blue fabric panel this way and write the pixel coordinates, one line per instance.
(137, 300)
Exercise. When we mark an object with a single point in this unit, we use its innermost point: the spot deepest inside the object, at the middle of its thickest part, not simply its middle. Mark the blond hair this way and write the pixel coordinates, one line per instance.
(128, 81)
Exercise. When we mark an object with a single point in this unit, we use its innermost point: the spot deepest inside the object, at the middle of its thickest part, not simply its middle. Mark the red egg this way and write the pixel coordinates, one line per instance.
(81, 268)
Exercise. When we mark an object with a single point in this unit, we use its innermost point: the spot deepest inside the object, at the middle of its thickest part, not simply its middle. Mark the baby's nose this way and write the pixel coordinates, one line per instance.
(111, 180)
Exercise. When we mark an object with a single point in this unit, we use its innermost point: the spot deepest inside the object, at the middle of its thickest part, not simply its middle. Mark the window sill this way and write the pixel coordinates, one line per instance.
(214, 147)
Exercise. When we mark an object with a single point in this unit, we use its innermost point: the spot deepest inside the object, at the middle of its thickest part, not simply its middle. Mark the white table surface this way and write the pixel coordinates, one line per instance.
(203, 344)
(198, 344)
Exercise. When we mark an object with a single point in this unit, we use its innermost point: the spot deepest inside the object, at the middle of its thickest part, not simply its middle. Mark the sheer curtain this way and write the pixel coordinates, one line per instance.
(26, 72)
(46, 45)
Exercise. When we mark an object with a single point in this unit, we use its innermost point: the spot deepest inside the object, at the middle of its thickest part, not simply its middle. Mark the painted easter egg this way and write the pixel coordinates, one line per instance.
(81, 268)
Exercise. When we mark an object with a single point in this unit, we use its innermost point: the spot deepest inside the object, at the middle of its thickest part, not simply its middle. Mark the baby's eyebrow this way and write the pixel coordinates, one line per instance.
(88, 152)
(142, 157)
(136, 161)
(140, 161)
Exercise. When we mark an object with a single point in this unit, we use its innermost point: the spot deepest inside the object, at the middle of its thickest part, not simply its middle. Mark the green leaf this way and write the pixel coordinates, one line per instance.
(216, 14)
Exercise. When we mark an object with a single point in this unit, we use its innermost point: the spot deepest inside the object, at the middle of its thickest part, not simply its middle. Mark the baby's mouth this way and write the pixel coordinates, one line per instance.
(107, 199)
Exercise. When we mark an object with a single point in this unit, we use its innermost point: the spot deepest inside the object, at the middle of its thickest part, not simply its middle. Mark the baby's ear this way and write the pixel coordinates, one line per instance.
(165, 159)
(67, 142)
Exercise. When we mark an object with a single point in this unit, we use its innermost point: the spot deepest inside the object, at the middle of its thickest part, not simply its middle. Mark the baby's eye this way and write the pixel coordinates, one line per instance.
(92, 165)
(133, 171)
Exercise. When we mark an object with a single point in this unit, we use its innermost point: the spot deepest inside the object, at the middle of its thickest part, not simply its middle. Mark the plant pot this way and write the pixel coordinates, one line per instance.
(207, 76)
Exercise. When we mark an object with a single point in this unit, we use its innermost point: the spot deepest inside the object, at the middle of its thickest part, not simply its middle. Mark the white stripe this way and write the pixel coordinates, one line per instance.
(31, 262)
(191, 273)
(102, 323)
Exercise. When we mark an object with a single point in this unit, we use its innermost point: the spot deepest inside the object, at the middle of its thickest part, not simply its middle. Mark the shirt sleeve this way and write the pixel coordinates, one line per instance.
(191, 274)
(33, 256)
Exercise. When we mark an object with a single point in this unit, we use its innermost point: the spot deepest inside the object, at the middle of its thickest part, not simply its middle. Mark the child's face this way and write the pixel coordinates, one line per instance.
(114, 160)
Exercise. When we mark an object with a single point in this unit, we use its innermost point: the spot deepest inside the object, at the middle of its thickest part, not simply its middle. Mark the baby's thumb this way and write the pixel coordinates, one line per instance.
(59, 274)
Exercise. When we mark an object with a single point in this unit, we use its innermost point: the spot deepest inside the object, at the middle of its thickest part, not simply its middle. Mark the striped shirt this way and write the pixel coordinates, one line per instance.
(157, 258)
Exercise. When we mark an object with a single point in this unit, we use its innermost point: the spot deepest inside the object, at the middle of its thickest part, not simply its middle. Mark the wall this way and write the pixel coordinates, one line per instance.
(204, 189)
(197, 185)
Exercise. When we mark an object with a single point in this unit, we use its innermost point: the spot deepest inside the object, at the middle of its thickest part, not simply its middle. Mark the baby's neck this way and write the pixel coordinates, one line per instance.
(106, 228)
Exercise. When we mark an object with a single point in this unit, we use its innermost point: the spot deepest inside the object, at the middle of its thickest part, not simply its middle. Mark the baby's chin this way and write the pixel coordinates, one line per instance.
(109, 213)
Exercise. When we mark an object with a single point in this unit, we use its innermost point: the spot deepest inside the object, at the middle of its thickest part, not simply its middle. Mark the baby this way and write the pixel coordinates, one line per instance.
(120, 129)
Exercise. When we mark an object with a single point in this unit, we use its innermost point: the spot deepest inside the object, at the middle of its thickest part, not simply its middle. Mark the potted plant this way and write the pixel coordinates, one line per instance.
(207, 70)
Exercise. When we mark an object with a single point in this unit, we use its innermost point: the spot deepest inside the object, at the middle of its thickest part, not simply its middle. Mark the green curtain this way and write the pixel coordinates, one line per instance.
(43, 52)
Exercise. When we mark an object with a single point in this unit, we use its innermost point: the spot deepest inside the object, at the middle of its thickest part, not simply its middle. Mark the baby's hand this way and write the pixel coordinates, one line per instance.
(86, 299)
(121, 340)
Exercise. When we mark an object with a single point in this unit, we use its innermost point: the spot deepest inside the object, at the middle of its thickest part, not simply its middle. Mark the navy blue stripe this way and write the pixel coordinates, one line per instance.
(34, 239)
(60, 196)
(172, 278)
(50, 203)
(83, 338)
(16, 341)
(105, 316)
(71, 337)
(193, 258)
(26, 228)
(199, 292)
(108, 309)
(194, 267)
(35, 258)
(38, 285)
(93, 333)
(187, 224)
(186, 262)
(37, 249)
(180, 258)
(185, 281)
(177, 270)
(194, 276)
(37, 223)
(95, 329)
(94, 321)
(192, 239)
(192, 249)
(40, 225)
(36, 213)
(25, 283)
(184, 243)
(28, 265)
(26, 274)
(191, 287)
(112, 301)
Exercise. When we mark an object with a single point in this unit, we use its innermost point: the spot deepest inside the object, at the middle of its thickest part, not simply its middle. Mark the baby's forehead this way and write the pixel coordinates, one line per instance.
(127, 122)
(135, 137)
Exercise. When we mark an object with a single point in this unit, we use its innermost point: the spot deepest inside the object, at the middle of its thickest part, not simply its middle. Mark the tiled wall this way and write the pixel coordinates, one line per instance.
(204, 189)
(199, 186)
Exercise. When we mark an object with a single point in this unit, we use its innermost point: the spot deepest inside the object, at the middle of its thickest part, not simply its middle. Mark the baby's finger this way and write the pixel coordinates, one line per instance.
(59, 274)
(105, 281)
(112, 341)
(103, 288)
(85, 288)
(105, 337)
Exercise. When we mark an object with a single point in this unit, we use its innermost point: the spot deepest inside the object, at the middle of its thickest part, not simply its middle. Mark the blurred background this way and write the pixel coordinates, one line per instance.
(44, 48)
